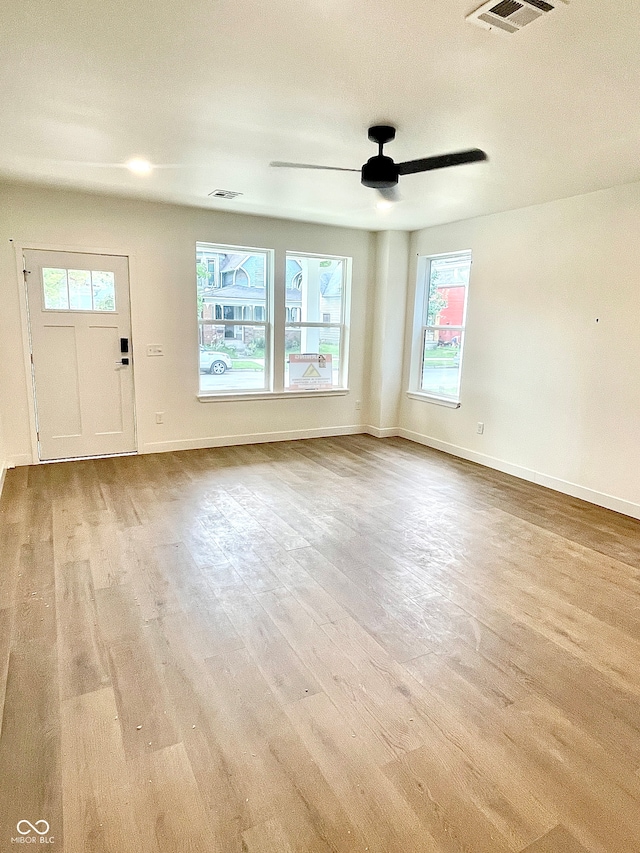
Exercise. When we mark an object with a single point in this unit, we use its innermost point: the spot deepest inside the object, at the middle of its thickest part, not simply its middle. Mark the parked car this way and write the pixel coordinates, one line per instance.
(214, 362)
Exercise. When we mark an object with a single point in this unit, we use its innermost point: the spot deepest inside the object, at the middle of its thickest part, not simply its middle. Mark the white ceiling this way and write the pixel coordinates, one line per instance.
(213, 91)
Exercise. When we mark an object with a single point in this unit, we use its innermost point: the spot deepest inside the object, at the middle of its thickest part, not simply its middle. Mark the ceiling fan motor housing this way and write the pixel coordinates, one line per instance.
(380, 173)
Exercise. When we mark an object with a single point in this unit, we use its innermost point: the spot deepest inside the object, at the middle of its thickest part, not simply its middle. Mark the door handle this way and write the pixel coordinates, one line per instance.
(123, 361)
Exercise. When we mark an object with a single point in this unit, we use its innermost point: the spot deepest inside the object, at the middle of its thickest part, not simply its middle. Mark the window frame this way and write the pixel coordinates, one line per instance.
(266, 324)
(275, 325)
(421, 327)
(343, 325)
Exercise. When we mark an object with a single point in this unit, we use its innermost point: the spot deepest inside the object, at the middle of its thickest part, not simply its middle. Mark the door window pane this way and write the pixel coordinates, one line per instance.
(104, 291)
(56, 296)
(79, 290)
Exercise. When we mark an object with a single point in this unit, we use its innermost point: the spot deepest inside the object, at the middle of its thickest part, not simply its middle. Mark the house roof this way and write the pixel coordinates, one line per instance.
(331, 282)
(232, 262)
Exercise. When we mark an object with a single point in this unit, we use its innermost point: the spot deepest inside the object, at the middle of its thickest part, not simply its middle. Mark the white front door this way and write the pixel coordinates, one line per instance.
(80, 324)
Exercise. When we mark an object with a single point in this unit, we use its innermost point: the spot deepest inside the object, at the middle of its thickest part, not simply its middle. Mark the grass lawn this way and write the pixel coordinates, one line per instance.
(441, 355)
(244, 364)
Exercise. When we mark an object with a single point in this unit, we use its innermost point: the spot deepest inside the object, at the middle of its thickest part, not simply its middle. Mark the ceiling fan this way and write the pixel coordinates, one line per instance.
(381, 173)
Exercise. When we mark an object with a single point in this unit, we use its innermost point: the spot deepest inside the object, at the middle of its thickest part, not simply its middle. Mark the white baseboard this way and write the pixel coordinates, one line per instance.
(249, 438)
(557, 485)
(472, 455)
(590, 495)
(3, 472)
(377, 432)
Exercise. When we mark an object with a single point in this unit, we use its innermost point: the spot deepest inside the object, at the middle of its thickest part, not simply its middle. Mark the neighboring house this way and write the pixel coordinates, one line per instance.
(453, 313)
(328, 309)
(451, 276)
(232, 287)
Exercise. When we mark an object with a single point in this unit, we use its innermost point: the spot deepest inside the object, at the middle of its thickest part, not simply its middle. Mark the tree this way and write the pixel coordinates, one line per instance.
(203, 281)
(437, 300)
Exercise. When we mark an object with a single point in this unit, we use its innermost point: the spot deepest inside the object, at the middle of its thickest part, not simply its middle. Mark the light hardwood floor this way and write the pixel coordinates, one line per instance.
(331, 646)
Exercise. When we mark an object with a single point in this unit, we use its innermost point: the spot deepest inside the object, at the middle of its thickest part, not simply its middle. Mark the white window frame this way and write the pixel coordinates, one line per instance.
(266, 324)
(421, 327)
(343, 326)
(275, 325)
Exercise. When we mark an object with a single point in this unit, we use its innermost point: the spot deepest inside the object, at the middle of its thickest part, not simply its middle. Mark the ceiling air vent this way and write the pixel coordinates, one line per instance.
(510, 16)
(224, 194)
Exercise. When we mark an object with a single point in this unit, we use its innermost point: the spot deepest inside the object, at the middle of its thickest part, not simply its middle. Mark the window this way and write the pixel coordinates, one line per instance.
(441, 303)
(78, 290)
(234, 298)
(315, 334)
(244, 315)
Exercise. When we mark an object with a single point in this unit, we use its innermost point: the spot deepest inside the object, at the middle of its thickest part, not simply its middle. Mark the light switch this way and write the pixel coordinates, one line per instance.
(155, 349)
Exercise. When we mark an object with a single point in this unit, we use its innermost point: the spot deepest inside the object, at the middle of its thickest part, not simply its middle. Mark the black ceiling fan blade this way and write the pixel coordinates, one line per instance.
(278, 164)
(441, 161)
(389, 194)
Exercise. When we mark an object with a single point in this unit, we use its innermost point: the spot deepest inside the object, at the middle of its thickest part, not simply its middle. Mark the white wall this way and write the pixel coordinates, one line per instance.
(161, 242)
(387, 339)
(558, 392)
(3, 456)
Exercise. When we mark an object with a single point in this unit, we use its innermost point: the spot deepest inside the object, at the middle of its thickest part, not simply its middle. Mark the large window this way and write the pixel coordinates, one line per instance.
(234, 299)
(245, 316)
(441, 303)
(315, 332)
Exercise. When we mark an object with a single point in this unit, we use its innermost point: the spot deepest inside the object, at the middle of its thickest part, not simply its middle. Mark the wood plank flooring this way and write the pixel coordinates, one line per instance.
(322, 646)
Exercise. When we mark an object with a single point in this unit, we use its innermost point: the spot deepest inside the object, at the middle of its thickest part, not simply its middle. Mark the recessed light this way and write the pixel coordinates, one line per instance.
(139, 166)
(384, 204)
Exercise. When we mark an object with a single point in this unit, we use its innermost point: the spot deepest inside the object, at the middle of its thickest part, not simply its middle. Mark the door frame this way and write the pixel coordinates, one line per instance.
(21, 246)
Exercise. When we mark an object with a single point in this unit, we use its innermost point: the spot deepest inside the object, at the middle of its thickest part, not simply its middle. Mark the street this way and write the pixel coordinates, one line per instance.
(440, 380)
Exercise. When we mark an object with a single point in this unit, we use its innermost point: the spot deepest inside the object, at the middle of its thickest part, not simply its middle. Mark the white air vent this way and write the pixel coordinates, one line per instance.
(510, 16)
(224, 194)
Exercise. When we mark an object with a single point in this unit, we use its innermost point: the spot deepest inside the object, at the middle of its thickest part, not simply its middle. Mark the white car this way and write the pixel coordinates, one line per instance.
(214, 362)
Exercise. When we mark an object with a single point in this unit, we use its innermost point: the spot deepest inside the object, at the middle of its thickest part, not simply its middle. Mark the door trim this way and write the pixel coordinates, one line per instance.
(21, 246)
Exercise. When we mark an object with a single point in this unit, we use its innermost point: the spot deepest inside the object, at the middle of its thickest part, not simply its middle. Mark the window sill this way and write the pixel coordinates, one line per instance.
(432, 398)
(269, 395)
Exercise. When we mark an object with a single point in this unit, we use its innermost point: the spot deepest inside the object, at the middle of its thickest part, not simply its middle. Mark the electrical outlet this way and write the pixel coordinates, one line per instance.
(159, 417)
(480, 428)
(155, 349)
(358, 405)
